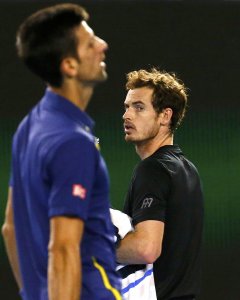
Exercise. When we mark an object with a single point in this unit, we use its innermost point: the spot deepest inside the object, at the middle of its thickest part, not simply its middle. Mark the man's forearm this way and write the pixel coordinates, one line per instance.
(131, 250)
(8, 231)
(142, 246)
(64, 274)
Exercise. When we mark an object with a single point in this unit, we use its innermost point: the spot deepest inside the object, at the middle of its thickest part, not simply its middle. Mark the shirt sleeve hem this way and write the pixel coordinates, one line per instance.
(66, 212)
(153, 218)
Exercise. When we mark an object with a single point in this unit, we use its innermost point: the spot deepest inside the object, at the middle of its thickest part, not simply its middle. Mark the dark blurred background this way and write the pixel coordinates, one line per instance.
(200, 42)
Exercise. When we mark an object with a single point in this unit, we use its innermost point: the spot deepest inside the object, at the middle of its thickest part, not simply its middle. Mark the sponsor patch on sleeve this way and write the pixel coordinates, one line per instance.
(79, 191)
(147, 202)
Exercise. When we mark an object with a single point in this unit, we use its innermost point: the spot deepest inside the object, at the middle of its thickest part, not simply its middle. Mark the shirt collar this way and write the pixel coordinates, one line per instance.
(54, 101)
(173, 148)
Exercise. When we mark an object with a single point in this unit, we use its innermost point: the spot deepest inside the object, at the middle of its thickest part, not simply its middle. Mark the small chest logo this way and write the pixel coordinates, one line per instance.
(147, 202)
(97, 145)
(79, 191)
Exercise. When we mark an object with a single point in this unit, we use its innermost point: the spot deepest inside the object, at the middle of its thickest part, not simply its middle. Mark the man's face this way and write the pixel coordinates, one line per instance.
(141, 122)
(91, 53)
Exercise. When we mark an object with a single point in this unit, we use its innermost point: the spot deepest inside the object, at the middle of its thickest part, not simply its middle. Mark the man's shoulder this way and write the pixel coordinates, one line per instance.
(151, 162)
(174, 161)
(150, 167)
(46, 138)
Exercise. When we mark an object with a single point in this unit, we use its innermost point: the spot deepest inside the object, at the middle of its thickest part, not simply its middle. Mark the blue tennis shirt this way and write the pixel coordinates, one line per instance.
(57, 170)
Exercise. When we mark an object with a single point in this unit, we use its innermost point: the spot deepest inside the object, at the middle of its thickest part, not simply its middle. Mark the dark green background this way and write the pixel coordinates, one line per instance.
(198, 41)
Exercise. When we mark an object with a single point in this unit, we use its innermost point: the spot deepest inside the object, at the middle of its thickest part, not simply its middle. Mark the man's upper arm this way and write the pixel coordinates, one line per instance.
(9, 209)
(65, 231)
(64, 258)
(151, 232)
(150, 193)
(71, 174)
(143, 245)
(8, 231)
(149, 196)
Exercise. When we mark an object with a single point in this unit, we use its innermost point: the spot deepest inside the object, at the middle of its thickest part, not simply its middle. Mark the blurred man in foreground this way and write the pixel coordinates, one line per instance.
(58, 233)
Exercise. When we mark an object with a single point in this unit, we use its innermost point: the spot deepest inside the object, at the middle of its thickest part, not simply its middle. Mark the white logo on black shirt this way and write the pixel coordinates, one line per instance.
(147, 202)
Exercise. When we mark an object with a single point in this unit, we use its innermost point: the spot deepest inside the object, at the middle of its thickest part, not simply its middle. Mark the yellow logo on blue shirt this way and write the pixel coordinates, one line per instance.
(97, 145)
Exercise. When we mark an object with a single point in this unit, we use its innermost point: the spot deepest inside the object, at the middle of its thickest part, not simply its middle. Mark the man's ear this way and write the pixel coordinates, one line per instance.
(68, 66)
(166, 116)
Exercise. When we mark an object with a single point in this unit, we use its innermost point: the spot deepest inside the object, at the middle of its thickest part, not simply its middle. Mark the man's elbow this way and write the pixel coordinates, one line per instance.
(7, 231)
(62, 249)
(149, 253)
(62, 256)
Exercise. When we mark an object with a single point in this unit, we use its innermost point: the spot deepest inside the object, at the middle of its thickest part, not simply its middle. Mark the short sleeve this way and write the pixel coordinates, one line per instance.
(71, 175)
(150, 190)
(10, 182)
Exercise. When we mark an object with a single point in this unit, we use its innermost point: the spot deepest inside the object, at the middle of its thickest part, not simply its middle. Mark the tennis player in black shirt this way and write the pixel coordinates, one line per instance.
(165, 197)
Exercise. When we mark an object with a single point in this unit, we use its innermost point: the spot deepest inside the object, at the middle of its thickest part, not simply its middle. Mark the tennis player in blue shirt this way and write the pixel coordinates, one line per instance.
(58, 233)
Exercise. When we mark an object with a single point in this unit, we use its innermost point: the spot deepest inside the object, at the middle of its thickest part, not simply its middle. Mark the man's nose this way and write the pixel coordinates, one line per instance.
(103, 46)
(127, 114)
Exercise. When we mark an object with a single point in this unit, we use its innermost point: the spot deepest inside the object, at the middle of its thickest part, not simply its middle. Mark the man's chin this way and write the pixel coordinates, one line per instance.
(129, 139)
(97, 80)
(103, 76)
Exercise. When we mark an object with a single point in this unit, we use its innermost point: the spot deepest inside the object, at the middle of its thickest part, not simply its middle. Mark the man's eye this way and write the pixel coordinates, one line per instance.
(139, 108)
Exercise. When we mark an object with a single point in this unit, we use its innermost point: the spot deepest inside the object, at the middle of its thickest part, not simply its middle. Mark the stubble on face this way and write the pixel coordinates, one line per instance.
(144, 135)
(140, 119)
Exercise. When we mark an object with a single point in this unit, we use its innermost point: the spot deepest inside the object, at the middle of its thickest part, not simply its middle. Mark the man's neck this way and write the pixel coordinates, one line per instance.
(147, 148)
(79, 95)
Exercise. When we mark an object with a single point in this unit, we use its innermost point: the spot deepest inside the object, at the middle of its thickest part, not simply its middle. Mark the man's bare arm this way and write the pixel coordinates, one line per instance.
(64, 265)
(144, 245)
(8, 232)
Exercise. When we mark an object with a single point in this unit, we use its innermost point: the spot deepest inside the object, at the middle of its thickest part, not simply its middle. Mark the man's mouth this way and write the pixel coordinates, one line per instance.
(128, 127)
(103, 63)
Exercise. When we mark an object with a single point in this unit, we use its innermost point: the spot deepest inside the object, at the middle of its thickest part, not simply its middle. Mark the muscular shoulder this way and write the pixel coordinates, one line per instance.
(150, 169)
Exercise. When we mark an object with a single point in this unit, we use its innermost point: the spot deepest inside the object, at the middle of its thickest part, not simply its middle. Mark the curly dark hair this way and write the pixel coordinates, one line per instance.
(168, 92)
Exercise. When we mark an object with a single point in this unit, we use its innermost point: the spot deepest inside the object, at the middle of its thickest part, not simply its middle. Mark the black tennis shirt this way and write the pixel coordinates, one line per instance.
(166, 187)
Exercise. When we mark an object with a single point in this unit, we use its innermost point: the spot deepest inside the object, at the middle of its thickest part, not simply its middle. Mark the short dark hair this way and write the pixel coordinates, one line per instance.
(168, 92)
(47, 36)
